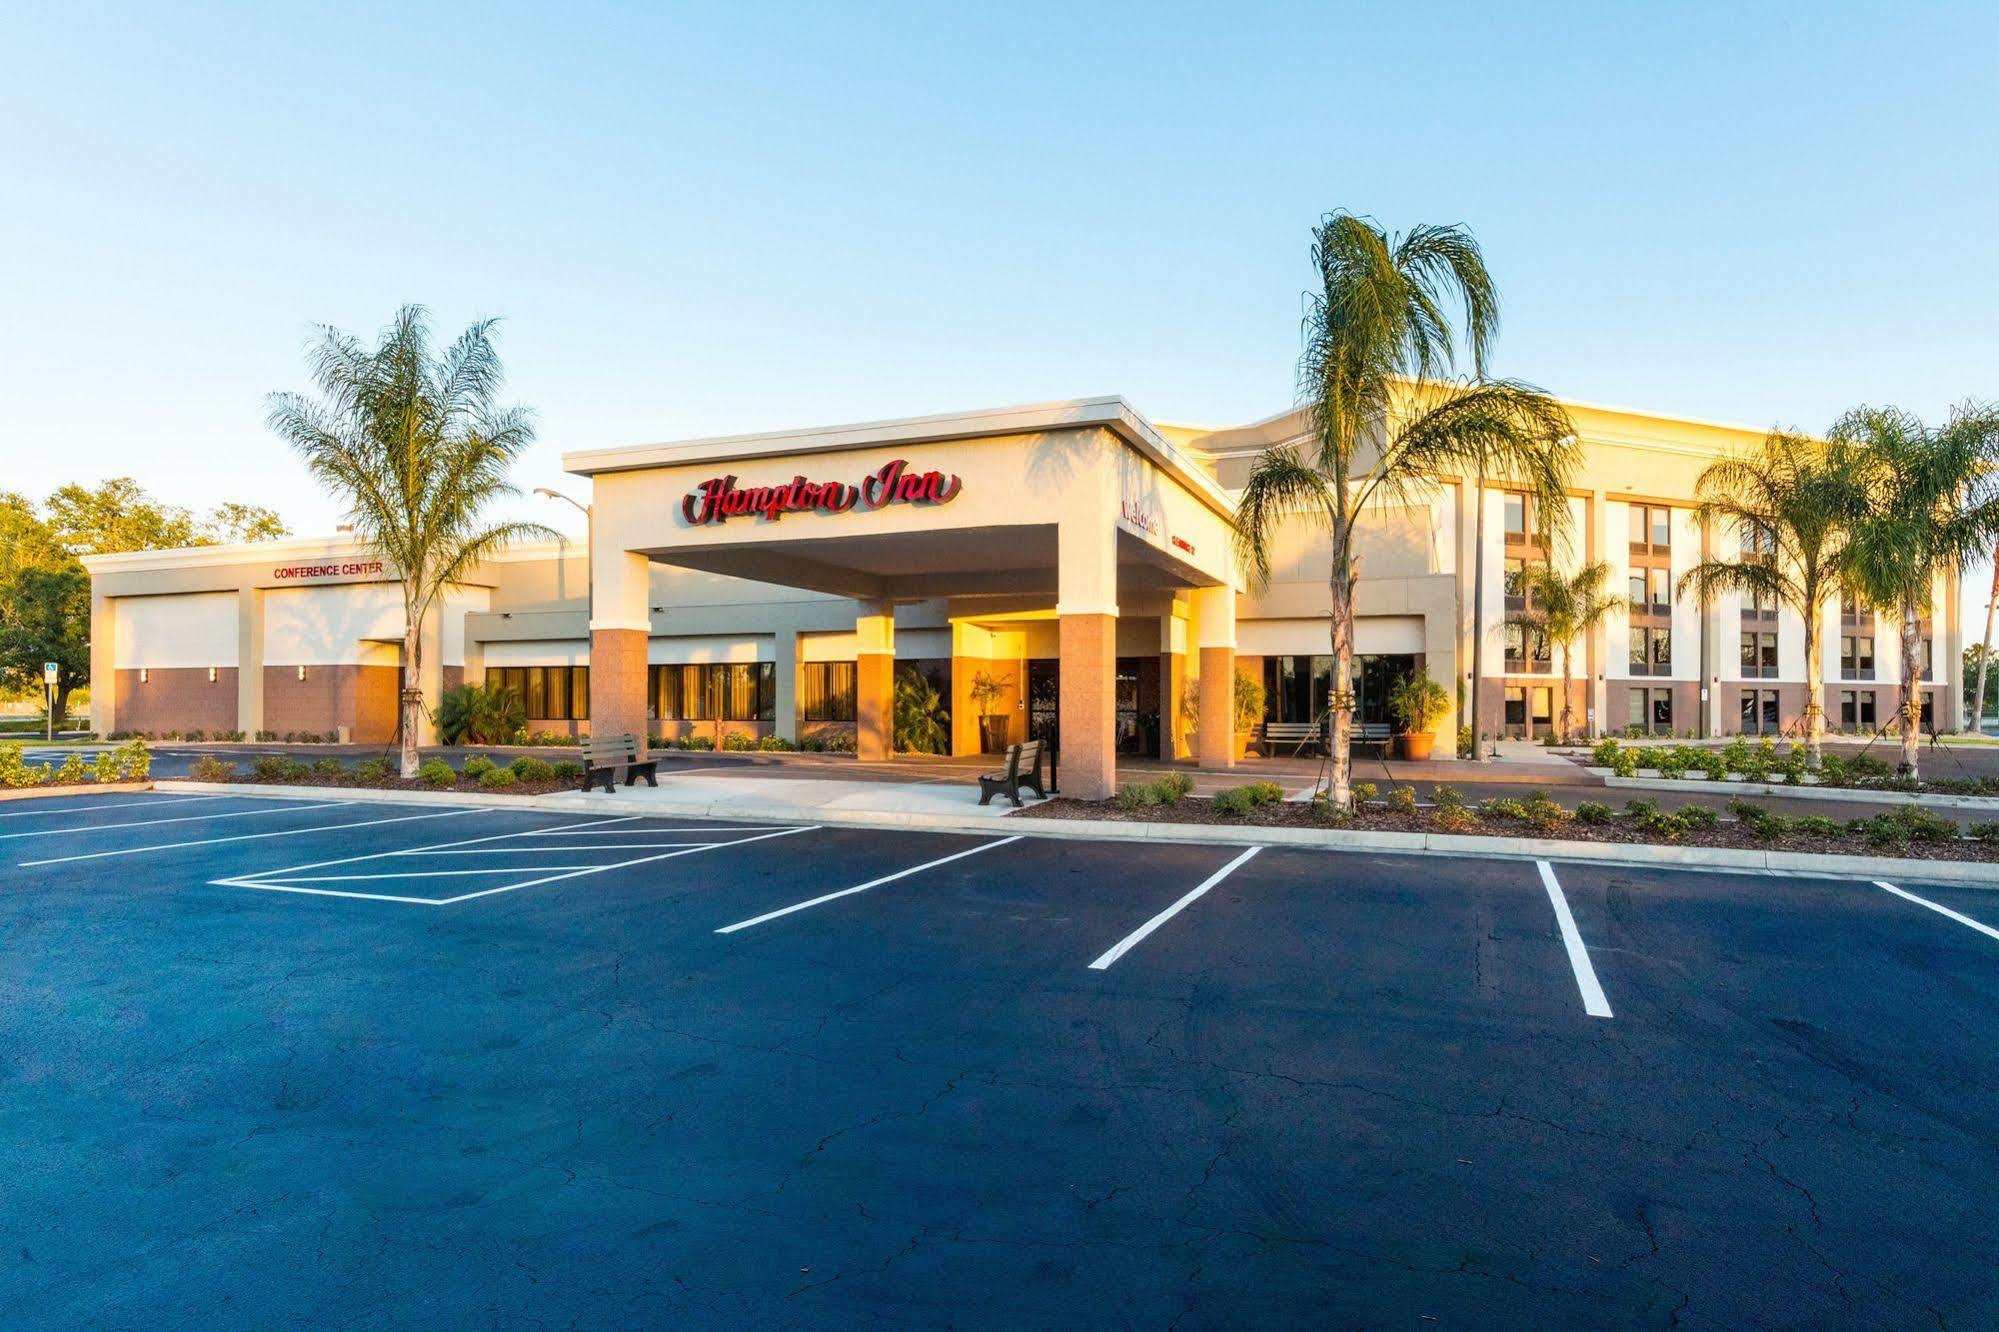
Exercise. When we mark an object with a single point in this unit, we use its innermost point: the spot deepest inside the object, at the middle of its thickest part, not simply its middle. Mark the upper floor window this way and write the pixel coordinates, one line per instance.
(1527, 651)
(1651, 651)
(1651, 591)
(1758, 604)
(1651, 528)
(1517, 517)
(1759, 656)
(1759, 541)
(1856, 657)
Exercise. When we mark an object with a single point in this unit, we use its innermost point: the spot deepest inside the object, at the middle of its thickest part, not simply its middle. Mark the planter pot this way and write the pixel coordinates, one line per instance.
(992, 734)
(1415, 744)
(1242, 745)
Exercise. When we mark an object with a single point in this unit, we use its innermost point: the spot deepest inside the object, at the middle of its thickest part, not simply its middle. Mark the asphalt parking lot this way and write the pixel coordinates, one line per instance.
(275, 1062)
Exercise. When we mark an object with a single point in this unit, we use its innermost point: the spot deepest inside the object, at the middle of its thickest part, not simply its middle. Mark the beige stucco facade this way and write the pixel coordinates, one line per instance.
(1069, 563)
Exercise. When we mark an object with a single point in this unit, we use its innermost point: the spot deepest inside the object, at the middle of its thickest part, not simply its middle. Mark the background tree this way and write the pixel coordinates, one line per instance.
(1981, 690)
(1382, 426)
(46, 617)
(1565, 611)
(1788, 502)
(416, 445)
(1925, 505)
(119, 515)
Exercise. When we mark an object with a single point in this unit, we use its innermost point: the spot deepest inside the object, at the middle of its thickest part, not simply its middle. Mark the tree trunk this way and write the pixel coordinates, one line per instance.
(1814, 688)
(1567, 729)
(408, 695)
(1477, 609)
(1912, 686)
(1985, 653)
(1342, 682)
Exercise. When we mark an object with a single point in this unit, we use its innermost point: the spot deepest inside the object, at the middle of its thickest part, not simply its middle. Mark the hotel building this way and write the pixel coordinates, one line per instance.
(1074, 554)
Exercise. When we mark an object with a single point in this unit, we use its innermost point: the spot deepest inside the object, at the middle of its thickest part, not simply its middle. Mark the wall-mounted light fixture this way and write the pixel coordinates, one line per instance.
(211, 675)
(301, 672)
(145, 676)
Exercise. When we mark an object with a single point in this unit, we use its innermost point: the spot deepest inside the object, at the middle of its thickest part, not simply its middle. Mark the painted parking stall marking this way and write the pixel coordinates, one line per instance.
(863, 887)
(431, 864)
(94, 805)
(1594, 1002)
(1132, 940)
(181, 818)
(1940, 909)
(250, 837)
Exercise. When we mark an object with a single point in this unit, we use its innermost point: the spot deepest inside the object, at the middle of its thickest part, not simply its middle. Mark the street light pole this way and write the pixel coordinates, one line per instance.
(590, 546)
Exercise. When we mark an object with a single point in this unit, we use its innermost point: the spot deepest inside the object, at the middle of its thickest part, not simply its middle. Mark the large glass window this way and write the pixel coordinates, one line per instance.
(1651, 650)
(1856, 656)
(547, 693)
(733, 691)
(1516, 519)
(826, 691)
(1651, 528)
(1759, 655)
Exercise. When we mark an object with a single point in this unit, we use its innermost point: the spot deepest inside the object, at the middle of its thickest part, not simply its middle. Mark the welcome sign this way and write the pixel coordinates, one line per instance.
(720, 499)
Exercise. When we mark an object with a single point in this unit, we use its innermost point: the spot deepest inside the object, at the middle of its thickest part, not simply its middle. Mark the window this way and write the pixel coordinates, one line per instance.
(1758, 542)
(1528, 650)
(1651, 650)
(826, 691)
(1759, 656)
(1544, 706)
(1758, 604)
(1929, 658)
(1652, 710)
(547, 693)
(1856, 656)
(1651, 528)
(1515, 579)
(1856, 708)
(738, 691)
(1760, 712)
(1516, 706)
(1516, 519)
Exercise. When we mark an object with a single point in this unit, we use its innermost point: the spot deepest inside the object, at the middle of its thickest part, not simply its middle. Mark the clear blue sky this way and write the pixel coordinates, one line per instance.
(750, 217)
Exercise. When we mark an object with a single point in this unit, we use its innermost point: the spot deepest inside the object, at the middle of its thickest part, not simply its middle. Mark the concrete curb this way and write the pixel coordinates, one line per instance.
(94, 788)
(1858, 795)
(1792, 863)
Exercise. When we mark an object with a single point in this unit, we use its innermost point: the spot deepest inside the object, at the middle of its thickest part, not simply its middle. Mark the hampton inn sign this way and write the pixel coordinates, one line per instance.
(720, 499)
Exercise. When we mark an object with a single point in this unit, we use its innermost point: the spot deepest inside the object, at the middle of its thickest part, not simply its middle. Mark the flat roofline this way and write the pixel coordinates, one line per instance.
(285, 548)
(1111, 413)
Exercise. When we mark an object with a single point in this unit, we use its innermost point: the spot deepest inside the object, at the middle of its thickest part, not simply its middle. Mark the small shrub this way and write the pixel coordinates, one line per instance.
(1818, 825)
(528, 768)
(1447, 797)
(1542, 812)
(1174, 786)
(1454, 819)
(1832, 770)
(208, 768)
(495, 778)
(1626, 763)
(1698, 816)
(269, 767)
(372, 770)
(840, 742)
(700, 742)
(1984, 832)
(1923, 825)
(1325, 811)
(1670, 761)
(739, 742)
(1665, 827)
(1402, 799)
(71, 772)
(134, 761)
(1593, 813)
(812, 744)
(1134, 796)
(327, 767)
(1640, 809)
(1240, 800)
(478, 766)
(1748, 811)
(267, 735)
(436, 772)
(1713, 765)
(197, 734)
(1605, 754)
(775, 744)
(1503, 807)
(1793, 768)
(1363, 795)
(1467, 744)
(1771, 827)
(1867, 768)
(15, 771)
(1881, 831)
(106, 768)
(566, 771)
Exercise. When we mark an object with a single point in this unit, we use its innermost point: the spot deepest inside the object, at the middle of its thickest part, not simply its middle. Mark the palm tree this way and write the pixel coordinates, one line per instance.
(1383, 427)
(1976, 713)
(1788, 500)
(1926, 506)
(1565, 610)
(415, 444)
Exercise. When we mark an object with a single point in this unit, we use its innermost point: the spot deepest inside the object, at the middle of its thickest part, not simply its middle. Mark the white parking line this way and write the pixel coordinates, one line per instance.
(1594, 1002)
(441, 846)
(261, 882)
(863, 887)
(249, 837)
(185, 818)
(1961, 919)
(595, 832)
(1130, 941)
(271, 884)
(92, 806)
(570, 850)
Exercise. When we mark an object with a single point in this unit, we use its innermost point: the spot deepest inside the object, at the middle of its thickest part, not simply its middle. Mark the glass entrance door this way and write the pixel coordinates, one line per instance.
(1044, 701)
(1137, 693)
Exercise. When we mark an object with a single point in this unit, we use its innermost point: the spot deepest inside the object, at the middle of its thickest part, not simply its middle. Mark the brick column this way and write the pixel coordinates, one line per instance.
(620, 626)
(1086, 613)
(874, 681)
(1214, 738)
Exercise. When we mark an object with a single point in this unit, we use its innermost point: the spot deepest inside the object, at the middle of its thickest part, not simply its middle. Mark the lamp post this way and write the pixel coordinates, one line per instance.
(590, 546)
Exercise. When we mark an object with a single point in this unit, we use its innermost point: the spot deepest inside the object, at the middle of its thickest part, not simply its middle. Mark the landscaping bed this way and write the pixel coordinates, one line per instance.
(526, 775)
(1906, 831)
(1765, 762)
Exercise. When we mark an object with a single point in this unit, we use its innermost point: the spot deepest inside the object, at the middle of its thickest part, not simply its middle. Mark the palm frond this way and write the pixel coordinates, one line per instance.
(1281, 487)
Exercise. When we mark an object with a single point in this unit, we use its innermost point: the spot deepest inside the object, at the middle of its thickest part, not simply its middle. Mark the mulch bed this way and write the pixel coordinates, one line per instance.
(353, 781)
(1289, 814)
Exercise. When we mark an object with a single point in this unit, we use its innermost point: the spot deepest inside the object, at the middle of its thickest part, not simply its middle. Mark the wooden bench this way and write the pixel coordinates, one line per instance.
(1295, 734)
(604, 756)
(1023, 769)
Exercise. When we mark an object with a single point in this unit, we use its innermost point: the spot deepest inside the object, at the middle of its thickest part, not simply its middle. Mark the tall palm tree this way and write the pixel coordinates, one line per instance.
(1927, 505)
(1566, 610)
(1383, 426)
(416, 445)
(1788, 500)
(1976, 713)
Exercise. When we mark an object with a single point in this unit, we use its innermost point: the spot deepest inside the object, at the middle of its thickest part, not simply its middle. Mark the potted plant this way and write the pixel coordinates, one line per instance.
(1248, 710)
(1417, 703)
(987, 691)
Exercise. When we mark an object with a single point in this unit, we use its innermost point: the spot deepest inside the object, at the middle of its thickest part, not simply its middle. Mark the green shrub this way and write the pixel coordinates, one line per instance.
(739, 742)
(1712, 764)
(327, 767)
(841, 742)
(474, 714)
(1593, 813)
(106, 767)
(1793, 768)
(495, 778)
(1162, 790)
(1640, 809)
(1240, 800)
(567, 771)
(1402, 799)
(1174, 786)
(1921, 824)
(1542, 812)
(1447, 797)
(208, 768)
(775, 744)
(528, 768)
(1984, 832)
(1867, 768)
(1671, 761)
(1818, 825)
(1325, 811)
(268, 767)
(15, 771)
(373, 770)
(700, 742)
(1467, 744)
(478, 766)
(1664, 827)
(1133, 795)
(1503, 807)
(1736, 754)
(1454, 819)
(71, 772)
(1626, 763)
(134, 761)
(1605, 754)
(436, 772)
(812, 744)
(1363, 794)
(1832, 770)
(1698, 816)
